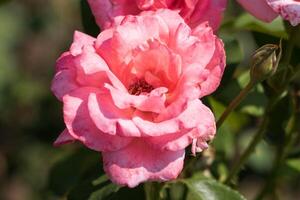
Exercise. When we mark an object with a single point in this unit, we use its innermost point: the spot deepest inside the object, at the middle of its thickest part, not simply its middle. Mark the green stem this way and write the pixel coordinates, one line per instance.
(235, 102)
(262, 130)
(294, 32)
(152, 190)
(282, 152)
(290, 138)
(244, 157)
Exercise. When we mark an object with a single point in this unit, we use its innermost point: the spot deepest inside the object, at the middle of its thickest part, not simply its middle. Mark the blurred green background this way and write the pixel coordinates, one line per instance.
(33, 33)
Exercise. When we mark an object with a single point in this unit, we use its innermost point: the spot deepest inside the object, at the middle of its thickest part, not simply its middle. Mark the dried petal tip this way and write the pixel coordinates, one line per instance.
(265, 62)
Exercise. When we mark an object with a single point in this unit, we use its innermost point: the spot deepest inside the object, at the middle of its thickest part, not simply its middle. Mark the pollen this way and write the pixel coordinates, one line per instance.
(139, 87)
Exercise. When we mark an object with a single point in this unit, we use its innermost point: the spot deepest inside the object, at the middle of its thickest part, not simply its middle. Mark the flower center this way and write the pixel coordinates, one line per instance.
(140, 87)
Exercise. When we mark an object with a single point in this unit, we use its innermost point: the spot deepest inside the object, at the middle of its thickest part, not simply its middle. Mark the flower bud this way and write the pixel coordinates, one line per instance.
(265, 62)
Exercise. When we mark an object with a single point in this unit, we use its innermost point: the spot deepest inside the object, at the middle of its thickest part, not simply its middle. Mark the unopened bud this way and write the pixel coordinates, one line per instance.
(265, 62)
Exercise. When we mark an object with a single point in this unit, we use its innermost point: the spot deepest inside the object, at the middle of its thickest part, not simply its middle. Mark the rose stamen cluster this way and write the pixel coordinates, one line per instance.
(139, 87)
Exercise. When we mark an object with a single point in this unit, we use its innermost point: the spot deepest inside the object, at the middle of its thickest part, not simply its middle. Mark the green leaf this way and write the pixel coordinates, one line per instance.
(261, 160)
(152, 190)
(281, 113)
(202, 188)
(129, 193)
(69, 171)
(224, 140)
(234, 51)
(90, 189)
(177, 192)
(247, 21)
(294, 164)
(102, 188)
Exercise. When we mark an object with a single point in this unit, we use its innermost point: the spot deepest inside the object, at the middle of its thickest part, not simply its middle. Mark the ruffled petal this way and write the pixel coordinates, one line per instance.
(152, 102)
(200, 78)
(64, 80)
(81, 40)
(82, 128)
(202, 122)
(105, 10)
(91, 70)
(64, 138)
(194, 46)
(110, 119)
(132, 33)
(167, 124)
(188, 87)
(208, 10)
(161, 63)
(63, 83)
(288, 9)
(138, 162)
(214, 70)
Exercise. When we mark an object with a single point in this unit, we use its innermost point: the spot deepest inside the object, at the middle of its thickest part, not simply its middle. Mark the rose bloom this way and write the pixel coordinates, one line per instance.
(133, 94)
(267, 10)
(194, 12)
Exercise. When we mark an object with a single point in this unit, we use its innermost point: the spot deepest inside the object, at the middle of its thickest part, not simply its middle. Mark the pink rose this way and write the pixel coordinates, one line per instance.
(133, 94)
(267, 10)
(194, 12)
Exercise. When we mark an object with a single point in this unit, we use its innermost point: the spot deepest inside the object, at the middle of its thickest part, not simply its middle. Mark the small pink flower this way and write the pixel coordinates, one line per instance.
(133, 94)
(267, 10)
(194, 12)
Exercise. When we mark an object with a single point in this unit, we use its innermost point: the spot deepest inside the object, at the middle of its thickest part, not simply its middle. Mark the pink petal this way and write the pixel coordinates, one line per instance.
(105, 10)
(186, 120)
(195, 46)
(153, 102)
(194, 12)
(170, 18)
(149, 128)
(207, 10)
(161, 63)
(64, 138)
(188, 86)
(80, 40)
(91, 69)
(199, 118)
(82, 128)
(215, 69)
(132, 33)
(138, 162)
(259, 9)
(288, 9)
(64, 80)
(110, 119)
(202, 76)
(63, 83)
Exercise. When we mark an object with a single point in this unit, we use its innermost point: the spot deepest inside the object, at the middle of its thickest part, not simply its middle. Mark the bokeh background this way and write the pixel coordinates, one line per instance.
(33, 33)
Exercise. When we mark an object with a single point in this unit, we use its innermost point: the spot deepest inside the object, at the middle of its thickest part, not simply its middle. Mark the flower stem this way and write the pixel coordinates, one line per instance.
(152, 190)
(290, 138)
(235, 102)
(262, 129)
(282, 153)
(258, 136)
(256, 139)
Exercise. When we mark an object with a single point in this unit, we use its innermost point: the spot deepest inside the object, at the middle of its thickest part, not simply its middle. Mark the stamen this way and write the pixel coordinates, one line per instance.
(139, 87)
